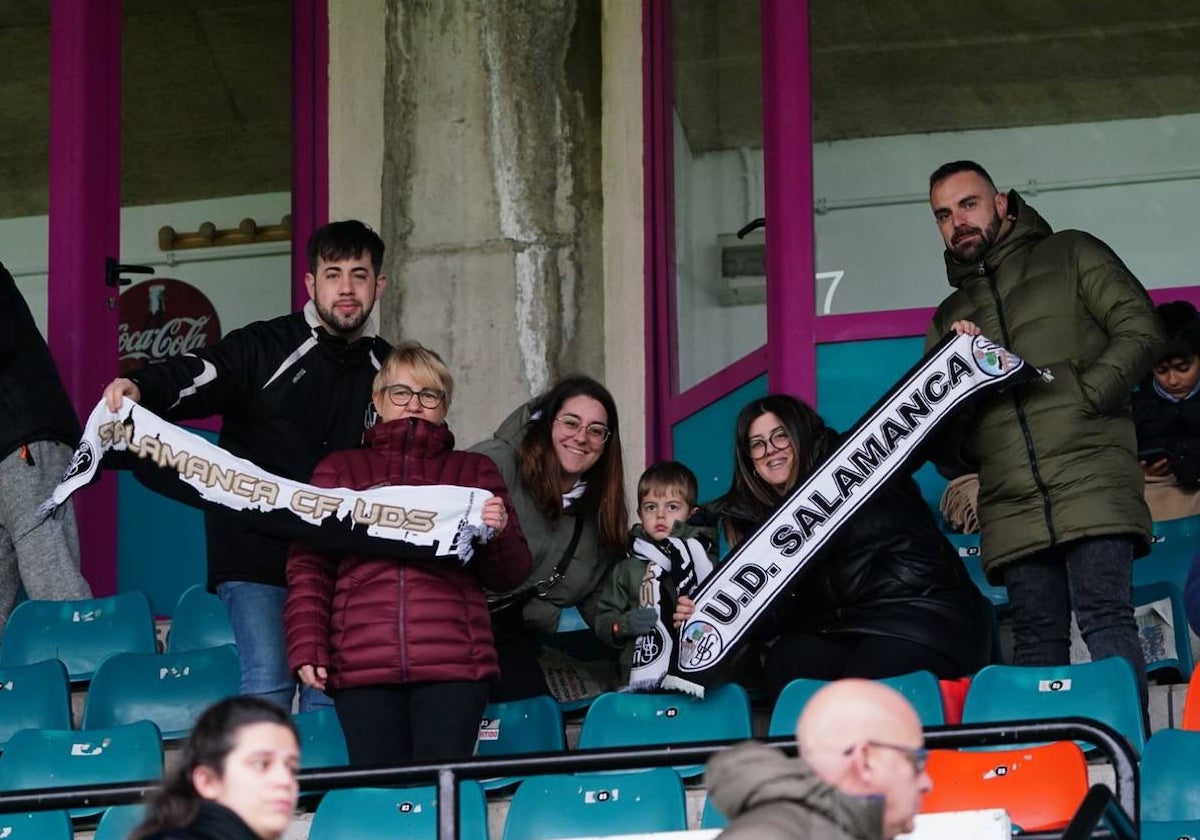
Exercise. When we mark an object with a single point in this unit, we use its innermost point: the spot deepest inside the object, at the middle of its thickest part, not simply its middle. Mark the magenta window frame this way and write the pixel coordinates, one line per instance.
(84, 216)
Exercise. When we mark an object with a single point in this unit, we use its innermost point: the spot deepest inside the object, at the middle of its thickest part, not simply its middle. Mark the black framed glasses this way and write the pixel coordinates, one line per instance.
(401, 396)
(597, 433)
(918, 757)
(779, 439)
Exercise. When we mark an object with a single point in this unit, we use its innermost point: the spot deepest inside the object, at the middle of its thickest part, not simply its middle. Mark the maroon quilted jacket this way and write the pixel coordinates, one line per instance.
(375, 621)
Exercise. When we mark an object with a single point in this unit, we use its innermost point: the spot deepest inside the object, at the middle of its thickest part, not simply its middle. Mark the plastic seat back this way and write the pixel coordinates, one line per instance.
(39, 825)
(532, 725)
(920, 688)
(626, 719)
(118, 821)
(80, 633)
(322, 743)
(1165, 627)
(384, 814)
(1105, 690)
(1040, 787)
(1174, 544)
(1191, 705)
(200, 621)
(711, 816)
(1170, 787)
(170, 689)
(36, 696)
(968, 548)
(56, 758)
(596, 805)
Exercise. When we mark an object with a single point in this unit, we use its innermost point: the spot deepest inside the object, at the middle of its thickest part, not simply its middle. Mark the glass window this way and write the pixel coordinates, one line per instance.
(1091, 111)
(718, 173)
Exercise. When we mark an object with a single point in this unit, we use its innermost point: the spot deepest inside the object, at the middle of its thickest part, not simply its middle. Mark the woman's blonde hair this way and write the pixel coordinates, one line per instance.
(423, 362)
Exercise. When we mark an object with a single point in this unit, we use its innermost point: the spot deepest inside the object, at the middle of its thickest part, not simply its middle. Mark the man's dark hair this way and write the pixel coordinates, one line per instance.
(1181, 323)
(344, 240)
(954, 167)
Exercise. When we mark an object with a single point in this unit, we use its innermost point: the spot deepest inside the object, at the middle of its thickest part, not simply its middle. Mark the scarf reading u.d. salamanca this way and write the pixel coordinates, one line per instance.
(397, 521)
(879, 446)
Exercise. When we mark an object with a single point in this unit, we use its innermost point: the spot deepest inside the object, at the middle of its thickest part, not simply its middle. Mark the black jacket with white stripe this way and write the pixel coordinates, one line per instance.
(289, 394)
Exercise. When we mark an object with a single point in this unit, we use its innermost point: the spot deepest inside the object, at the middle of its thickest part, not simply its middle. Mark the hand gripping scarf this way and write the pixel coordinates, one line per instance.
(881, 444)
(398, 521)
(685, 564)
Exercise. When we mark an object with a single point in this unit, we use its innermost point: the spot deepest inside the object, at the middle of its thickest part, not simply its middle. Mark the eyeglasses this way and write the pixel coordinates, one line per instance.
(918, 757)
(401, 396)
(597, 433)
(779, 439)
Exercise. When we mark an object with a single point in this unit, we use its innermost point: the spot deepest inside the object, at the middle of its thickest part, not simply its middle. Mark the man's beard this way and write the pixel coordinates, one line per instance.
(339, 325)
(972, 250)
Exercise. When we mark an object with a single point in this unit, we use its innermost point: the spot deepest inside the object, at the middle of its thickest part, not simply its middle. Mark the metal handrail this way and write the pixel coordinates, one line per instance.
(447, 775)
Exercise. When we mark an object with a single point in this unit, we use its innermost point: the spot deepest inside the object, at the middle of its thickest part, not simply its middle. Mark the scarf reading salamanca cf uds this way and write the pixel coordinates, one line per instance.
(437, 521)
(881, 444)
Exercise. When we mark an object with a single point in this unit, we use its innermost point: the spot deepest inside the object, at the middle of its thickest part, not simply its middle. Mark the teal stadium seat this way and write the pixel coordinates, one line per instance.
(36, 696)
(118, 821)
(40, 825)
(1170, 786)
(627, 720)
(711, 816)
(596, 805)
(80, 633)
(968, 548)
(1158, 657)
(170, 689)
(534, 725)
(921, 688)
(385, 814)
(1105, 690)
(1176, 541)
(322, 743)
(58, 758)
(200, 621)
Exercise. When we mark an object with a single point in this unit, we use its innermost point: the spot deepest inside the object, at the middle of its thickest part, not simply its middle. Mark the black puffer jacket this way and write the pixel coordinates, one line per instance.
(33, 404)
(888, 572)
(289, 394)
(1173, 426)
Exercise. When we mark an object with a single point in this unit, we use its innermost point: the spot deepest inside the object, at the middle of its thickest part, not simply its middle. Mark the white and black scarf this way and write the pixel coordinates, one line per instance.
(686, 563)
(881, 444)
(439, 521)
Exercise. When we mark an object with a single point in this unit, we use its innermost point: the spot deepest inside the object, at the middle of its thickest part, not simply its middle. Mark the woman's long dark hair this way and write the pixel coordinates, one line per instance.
(542, 472)
(750, 499)
(213, 738)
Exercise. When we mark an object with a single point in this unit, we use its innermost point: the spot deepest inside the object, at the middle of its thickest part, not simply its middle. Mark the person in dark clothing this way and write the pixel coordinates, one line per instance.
(235, 778)
(1166, 412)
(290, 391)
(887, 596)
(38, 433)
(406, 648)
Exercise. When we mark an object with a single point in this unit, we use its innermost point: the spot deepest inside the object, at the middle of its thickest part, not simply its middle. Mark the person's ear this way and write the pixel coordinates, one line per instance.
(207, 782)
(1002, 205)
(310, 283)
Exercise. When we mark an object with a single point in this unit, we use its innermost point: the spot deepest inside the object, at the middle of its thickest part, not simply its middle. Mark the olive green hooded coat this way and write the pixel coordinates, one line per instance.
(1057, 461)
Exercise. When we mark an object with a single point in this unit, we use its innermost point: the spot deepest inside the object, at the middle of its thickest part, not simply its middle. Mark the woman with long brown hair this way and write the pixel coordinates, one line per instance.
(560, 456)
(887, 596)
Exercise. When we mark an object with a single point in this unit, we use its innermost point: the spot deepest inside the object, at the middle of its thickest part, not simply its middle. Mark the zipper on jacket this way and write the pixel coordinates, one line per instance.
(402, 647)
(1047, 504)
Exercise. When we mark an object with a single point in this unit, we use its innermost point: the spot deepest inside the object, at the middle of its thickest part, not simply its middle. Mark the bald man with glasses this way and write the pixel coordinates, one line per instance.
(860, 774)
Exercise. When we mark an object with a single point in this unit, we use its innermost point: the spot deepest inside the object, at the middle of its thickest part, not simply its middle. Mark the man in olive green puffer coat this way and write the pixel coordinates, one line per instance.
(1061, 508)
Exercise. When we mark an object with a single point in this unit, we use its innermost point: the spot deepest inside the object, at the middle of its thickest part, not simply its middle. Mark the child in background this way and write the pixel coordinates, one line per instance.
(668, 558)
(1166, 410)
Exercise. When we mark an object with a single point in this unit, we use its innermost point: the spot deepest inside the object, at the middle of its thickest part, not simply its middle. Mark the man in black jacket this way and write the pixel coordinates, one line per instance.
(38, 432)
(290, 391)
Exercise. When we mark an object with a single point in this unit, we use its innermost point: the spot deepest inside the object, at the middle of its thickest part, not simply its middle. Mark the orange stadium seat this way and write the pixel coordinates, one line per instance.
(1191, 705)
(1040, 787)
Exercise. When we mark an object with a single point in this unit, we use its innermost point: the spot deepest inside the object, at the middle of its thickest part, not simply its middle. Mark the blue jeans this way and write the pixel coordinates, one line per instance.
(256, 613)
(1095, 577)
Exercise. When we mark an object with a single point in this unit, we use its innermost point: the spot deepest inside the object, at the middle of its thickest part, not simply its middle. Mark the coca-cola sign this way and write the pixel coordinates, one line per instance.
(161, 318)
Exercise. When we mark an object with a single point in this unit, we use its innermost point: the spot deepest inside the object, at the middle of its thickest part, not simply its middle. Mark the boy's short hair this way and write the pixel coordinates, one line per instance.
(1181, 323)
(425, 363)
(669, 475)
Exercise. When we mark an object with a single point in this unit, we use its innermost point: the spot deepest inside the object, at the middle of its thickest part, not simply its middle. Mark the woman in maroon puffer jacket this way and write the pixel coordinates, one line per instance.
(404, 647)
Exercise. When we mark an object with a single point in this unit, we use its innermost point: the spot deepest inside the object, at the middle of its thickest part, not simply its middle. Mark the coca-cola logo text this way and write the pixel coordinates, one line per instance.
(161, 318)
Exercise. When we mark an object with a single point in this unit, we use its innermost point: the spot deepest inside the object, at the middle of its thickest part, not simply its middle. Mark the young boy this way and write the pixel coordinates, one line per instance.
(1166, 410)
(668, 557)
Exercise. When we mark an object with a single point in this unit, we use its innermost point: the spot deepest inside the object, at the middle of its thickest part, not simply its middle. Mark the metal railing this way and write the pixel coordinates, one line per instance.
(447, 776)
